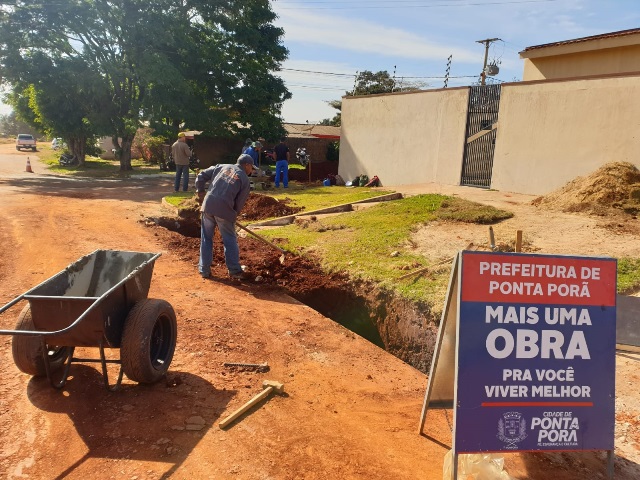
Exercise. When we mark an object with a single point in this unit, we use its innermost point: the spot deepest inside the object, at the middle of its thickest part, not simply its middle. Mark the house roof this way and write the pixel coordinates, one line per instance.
(594, 38)
(305, 130)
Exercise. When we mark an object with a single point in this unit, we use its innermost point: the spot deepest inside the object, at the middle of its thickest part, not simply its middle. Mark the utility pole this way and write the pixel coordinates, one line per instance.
(486, 42)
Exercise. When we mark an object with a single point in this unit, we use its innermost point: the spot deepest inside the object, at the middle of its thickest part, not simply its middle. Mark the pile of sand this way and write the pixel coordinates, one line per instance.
(615, 185)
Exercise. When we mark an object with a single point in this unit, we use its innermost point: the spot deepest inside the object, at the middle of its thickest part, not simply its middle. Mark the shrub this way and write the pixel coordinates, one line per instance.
(333, 151)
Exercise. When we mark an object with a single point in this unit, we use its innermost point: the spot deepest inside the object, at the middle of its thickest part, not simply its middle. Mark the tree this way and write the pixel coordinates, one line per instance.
(170, 64)
(57, 103)
(11, 125)
(336, 121)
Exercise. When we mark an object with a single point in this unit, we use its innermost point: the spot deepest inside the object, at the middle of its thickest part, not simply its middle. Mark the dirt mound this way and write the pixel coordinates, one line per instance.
(297, 275)
(258, 207)
(615, 185)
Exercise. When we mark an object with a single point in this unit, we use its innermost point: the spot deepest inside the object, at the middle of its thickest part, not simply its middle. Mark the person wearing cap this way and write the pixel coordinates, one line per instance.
(181, 152)
(254, 152)
(220, 205)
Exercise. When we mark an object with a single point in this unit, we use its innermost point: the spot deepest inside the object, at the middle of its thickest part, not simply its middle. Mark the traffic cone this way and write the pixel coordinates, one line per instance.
(29, 166)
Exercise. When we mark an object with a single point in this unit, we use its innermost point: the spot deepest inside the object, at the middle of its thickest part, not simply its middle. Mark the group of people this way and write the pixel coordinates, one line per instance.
(281, 156)
(223, 190)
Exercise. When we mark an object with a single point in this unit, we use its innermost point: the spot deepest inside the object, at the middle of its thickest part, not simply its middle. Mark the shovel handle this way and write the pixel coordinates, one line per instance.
(260, 237)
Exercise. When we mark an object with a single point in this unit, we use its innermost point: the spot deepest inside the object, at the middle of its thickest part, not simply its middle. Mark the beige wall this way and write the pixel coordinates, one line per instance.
(548, 133)
(599, 62)
(551, 132)
(404, 138)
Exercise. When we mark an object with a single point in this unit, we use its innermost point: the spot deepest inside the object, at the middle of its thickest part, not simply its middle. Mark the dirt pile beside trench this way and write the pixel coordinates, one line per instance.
(613, 187)
(258, 207)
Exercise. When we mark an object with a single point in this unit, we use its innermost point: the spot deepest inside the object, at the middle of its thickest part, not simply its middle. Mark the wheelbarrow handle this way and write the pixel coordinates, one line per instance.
(12, 303)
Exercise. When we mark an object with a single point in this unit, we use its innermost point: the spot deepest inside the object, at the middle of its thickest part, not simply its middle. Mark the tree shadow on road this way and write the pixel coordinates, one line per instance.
(141, 189)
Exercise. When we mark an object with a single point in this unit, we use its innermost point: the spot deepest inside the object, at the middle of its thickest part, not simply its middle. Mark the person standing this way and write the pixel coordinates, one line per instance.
(220, 205)
(247, 144)
(282, 163)
(181, 153)
(254, 152)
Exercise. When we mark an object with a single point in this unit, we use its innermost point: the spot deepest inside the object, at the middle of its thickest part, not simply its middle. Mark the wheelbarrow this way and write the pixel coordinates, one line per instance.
(98, 301)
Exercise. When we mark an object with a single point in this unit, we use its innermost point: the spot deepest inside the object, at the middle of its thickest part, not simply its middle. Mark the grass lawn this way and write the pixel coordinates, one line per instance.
(373, 244)
(95, 167)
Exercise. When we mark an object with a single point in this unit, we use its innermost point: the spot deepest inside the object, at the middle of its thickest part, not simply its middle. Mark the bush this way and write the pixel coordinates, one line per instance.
(153, 150)
(333, 151)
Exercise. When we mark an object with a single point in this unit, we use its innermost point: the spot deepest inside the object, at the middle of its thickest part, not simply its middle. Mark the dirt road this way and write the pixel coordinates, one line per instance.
(351, 410)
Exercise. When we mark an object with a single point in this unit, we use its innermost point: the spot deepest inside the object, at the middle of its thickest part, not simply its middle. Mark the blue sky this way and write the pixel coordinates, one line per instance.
(415, 37)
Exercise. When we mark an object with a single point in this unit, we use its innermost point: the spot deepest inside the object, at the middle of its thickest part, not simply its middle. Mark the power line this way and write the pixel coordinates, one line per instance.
(368, 6)
(319, 73)
(354, 75)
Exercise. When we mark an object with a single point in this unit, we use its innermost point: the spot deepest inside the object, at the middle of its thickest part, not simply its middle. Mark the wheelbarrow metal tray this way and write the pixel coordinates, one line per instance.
(90, 299)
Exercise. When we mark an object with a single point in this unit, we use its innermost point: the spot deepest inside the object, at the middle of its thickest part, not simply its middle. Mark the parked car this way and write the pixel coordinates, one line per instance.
(24, 140)
(57, 143)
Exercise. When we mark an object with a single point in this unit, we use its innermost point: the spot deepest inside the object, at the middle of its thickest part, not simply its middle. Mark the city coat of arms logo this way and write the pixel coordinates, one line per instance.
(512, 429)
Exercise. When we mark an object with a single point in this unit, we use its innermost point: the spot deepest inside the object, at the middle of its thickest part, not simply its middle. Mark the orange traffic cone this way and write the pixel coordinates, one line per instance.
(29, 166)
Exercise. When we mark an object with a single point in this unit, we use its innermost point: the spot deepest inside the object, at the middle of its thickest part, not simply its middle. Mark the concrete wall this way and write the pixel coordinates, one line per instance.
(404, 138)
(624, 59)
(551, 132)
(548, 133)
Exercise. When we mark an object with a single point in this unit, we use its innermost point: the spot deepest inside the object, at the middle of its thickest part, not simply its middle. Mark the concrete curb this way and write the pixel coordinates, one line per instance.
(346, 207)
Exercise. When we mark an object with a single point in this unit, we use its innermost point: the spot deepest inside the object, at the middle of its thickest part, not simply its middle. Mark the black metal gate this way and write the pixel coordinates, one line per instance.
(482, 122)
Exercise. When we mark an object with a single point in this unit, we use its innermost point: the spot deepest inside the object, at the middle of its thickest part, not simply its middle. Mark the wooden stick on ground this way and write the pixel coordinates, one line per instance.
(424, 269)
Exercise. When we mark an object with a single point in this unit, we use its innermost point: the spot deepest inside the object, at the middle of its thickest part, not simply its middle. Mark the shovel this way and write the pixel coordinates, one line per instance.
(273, 245)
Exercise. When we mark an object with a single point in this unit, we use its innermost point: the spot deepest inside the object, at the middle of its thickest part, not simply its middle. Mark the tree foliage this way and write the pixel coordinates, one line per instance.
(169, 64)
(11, 125)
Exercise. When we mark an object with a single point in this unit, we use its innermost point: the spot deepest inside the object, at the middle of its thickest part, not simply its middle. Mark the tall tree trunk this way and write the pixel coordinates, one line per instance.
(77, 146)
(123, 150)
(125, 155)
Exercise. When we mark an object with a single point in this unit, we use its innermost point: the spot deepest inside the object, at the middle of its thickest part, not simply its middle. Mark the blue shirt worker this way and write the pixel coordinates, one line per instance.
(254, 152)
(282, 163)
(220, 205)
(181, 153)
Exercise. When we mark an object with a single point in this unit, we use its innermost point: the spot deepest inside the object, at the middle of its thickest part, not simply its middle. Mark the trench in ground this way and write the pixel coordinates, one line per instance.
(404, 328)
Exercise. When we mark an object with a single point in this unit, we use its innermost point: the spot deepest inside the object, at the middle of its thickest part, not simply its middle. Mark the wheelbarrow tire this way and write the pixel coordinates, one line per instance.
(27, 350)
(148, 340)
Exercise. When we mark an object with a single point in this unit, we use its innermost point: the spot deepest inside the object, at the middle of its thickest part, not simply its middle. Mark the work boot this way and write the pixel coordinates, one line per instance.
(239, 275)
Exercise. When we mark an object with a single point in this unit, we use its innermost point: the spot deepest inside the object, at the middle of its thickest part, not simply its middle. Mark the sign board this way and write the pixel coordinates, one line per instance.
(534, 353)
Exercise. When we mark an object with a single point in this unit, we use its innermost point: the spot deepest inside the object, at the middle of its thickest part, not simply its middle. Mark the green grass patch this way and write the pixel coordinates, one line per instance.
(628, 275)
(372, 244)
(177, 198)
(96, 167)
(461, 210)
(316, 197)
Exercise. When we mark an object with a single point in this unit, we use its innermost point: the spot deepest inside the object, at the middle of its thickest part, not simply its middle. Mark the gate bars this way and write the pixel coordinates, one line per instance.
(482, 122)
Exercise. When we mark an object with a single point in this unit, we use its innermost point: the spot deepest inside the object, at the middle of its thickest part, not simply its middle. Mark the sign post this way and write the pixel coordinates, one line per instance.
(534, 354)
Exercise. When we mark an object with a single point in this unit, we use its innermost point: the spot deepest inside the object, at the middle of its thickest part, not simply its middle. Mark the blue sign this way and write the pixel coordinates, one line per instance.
(535, 353)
